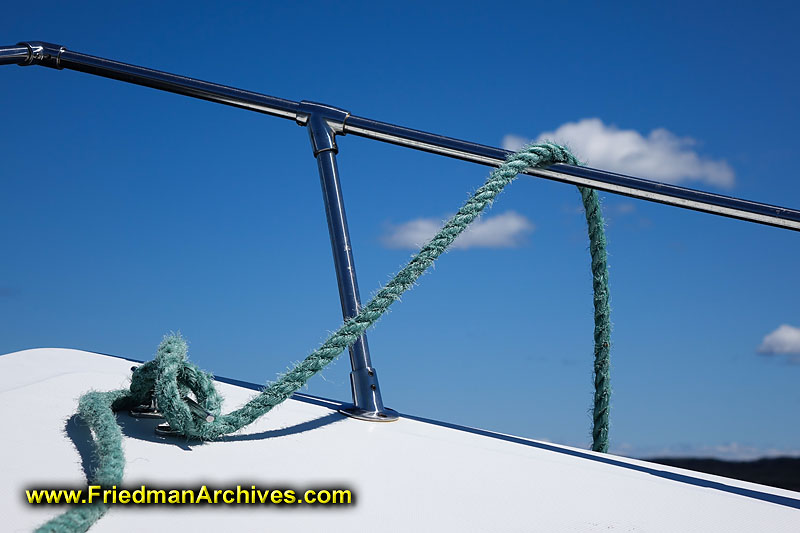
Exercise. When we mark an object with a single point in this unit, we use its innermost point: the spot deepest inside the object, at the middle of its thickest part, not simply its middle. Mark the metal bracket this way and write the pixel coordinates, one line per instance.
(44, 54)
(147, 410)
(324, 123)
(364, 386)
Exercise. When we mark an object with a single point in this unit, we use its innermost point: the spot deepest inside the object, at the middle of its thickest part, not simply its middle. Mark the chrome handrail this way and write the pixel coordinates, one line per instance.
(58, 57)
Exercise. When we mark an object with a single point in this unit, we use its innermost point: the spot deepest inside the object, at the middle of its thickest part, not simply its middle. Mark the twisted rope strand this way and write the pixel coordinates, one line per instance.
(602, 319)
(172, 376)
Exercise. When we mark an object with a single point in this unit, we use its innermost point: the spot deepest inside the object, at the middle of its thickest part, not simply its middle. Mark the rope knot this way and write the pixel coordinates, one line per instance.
(172, 377)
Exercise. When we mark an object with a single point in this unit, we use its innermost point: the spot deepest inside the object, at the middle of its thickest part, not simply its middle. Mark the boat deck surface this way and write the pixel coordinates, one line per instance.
(409, 475)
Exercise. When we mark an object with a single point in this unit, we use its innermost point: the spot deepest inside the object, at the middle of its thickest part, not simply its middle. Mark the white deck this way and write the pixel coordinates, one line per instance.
(410, 475)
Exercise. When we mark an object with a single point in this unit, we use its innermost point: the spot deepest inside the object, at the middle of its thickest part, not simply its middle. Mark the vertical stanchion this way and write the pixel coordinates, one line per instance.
(323, 123)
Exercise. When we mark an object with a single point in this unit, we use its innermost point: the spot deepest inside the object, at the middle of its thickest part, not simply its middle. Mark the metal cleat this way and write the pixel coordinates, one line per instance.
(146, 410)
(165, 430)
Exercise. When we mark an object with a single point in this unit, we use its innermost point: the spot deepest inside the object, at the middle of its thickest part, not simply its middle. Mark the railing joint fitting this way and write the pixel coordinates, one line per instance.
(324, 123)
(44, 54)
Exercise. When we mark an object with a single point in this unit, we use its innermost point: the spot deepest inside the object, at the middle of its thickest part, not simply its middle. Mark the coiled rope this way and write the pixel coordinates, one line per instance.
(172, 376)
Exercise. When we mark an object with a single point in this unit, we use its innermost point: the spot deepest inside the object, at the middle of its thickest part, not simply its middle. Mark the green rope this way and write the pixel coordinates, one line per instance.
(172, 376)
(602, 319)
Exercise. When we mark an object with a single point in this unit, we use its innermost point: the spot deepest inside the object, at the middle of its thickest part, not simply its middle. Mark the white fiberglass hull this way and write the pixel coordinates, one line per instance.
(410, 475)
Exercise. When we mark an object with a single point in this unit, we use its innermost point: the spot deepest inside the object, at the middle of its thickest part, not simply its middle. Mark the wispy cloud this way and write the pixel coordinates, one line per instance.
(624, 208)
(732, 451)
(783, 341)
(507, 230)
(661, 155)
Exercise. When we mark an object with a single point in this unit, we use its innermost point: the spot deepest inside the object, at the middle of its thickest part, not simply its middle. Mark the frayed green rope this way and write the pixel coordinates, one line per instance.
(172, 376)
(602, 319)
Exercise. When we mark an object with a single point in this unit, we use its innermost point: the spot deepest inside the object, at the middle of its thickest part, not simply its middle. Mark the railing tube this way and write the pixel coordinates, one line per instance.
(56, 56)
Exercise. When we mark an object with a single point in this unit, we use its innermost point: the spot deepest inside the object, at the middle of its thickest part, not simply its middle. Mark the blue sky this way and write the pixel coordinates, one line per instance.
(128, 212)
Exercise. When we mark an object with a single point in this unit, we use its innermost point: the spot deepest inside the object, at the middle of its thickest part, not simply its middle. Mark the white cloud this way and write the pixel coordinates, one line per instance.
(623, 208)
(616, 209)
(506, 230)
(514, 143)
(732, 451)
(783, 341)
(661, 156)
